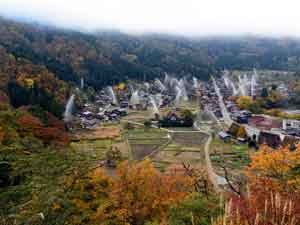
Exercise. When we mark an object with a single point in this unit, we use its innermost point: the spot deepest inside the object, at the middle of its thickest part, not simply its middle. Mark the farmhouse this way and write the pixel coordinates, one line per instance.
(290, 124)
(224, 136)
(270, 139)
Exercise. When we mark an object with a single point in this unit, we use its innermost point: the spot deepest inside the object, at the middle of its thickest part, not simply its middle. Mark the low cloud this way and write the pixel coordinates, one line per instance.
(189, 17)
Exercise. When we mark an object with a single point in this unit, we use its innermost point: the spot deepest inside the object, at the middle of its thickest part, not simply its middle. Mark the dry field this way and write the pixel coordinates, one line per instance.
(99, 133)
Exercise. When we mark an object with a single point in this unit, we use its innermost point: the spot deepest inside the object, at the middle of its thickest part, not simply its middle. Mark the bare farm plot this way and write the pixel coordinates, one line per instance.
(140, 148)
(189, 139)
(144, 142)
(173, 157)
(166, 148)
(99, 133)
(185, 147)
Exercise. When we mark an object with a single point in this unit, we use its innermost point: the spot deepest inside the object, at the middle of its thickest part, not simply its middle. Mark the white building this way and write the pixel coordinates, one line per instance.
(288, 124)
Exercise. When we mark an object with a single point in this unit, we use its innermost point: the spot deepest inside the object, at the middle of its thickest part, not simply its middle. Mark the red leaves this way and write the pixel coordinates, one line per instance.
(28, 123)
(265, 208)
(53, 133)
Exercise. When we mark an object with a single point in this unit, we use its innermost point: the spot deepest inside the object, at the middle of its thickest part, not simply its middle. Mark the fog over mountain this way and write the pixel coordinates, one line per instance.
(190, 18)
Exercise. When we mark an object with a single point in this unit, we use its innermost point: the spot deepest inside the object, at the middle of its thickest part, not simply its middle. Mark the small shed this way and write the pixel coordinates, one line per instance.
(224, 136)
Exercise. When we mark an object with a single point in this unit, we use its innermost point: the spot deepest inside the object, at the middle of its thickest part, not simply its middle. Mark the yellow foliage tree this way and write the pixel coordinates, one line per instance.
(275, 96)
(242, 133)
(121, 86)
(244, 102)
(276, 170)
(29, 82)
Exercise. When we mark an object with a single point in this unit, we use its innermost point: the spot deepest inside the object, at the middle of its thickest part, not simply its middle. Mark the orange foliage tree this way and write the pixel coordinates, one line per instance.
(137, 193)
(276, 170)
(143, 193)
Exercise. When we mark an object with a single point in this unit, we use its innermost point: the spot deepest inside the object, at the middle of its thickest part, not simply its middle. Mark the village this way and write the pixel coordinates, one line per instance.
(170, 121)
(164, 101)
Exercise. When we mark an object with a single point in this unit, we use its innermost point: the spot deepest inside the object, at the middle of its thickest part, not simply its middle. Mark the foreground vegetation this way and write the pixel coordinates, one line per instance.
(55, 184)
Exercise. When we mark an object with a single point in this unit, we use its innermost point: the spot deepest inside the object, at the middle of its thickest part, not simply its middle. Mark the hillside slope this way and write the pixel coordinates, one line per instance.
(109, 57)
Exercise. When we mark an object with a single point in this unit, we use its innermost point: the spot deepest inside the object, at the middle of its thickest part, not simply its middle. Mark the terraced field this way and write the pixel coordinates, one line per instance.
(143, 142)
(234, 156)
(166, 148)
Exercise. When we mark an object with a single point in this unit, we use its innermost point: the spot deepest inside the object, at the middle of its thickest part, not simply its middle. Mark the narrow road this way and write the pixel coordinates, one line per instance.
(213, 177)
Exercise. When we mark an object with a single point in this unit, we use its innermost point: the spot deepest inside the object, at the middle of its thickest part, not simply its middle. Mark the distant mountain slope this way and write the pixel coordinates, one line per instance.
(104, 58)
(109, 57)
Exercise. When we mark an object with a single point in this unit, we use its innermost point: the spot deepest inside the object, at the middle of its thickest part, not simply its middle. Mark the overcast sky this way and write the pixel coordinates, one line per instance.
(187, 17)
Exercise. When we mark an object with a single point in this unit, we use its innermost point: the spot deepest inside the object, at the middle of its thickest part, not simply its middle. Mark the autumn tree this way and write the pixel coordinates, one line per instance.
(137, 194)
(276, 170)
(29, 124)
(273, 190)
(242, 133)
(142, 193)
(244, 102)
(53, 132)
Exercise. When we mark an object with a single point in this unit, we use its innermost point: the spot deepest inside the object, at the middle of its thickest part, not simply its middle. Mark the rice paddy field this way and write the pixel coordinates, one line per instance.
(166, 148)
(234, 156)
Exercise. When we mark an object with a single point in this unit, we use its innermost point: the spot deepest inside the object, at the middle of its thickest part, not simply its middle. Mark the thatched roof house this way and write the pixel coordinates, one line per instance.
(270, 139)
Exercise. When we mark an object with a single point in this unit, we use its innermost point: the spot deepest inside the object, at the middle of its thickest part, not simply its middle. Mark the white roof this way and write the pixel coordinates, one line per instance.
(87, 113)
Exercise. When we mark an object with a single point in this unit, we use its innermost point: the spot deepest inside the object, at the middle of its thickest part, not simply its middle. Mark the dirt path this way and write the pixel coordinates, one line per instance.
(214, 178)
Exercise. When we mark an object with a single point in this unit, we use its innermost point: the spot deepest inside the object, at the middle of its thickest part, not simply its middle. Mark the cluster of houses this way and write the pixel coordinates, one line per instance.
(239, 133)
(248, 128)
(90, 116)
(105, 109)
(245, 127)
(209, 100)
(176, 118)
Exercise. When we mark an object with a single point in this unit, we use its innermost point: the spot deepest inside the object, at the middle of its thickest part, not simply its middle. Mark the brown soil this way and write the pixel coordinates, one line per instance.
(178, 157)
(189, 139)
(122, 146)
(109, 132)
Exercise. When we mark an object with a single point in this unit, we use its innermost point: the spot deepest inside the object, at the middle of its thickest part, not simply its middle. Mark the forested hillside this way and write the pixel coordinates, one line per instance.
(39, 64)
(108, 57)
